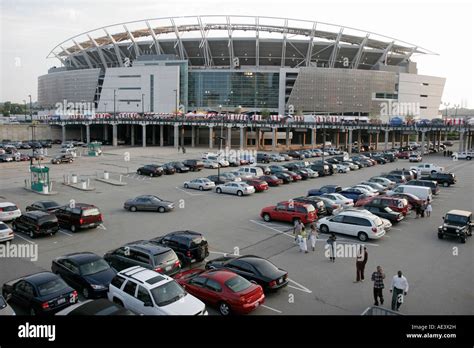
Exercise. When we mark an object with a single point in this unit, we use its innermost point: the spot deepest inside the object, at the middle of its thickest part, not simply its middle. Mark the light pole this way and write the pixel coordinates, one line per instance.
(24, 101)
(105, 107)
(222, 127)
(115, 115)
(446, 107)
(456, 107)
(31, 110)
(143, 105)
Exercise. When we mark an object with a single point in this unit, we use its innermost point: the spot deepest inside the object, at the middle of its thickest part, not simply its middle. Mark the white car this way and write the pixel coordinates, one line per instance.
(342, 168)
(9, 211)
(200, 184)
(210, 164)
(351, 165)
(147, 292)
(236, 188)
(360, 224)
(219, 160)
(311, 173)
(340, 199)
(415, 158)
(427, 168)
(6, 233)
(368, 188)
(230, 176)
(276, 158)
(389, 184)
(464, 155)
(387, 225)
(241, 175)
(206, 155)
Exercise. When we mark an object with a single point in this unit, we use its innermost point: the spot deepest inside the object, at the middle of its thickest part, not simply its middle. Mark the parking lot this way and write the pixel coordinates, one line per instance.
(439, 272)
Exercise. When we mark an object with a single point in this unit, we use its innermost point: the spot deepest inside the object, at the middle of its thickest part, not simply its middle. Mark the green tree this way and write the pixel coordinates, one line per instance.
(6, 110)
(265, 113)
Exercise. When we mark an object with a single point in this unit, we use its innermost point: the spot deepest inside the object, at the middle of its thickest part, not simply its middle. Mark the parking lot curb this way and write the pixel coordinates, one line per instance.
(52, 193)
(112, 182)
(79, 188)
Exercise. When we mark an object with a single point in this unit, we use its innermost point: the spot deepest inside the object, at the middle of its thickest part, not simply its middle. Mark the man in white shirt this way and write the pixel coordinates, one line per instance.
(399, 288)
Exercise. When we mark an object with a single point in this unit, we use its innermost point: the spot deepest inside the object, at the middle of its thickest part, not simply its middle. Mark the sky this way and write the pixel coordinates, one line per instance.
(31, 28)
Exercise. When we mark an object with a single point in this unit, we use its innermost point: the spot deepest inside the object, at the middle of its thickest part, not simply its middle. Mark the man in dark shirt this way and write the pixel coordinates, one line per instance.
(378, 277)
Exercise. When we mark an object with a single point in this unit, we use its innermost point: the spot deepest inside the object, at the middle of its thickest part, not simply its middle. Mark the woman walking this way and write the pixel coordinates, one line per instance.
(313, 235)
(429, 208)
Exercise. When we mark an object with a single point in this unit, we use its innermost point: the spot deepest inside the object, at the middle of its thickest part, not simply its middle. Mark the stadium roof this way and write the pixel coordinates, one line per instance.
(216, 41)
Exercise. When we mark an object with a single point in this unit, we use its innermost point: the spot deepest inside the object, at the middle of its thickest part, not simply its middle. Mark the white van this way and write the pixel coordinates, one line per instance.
(421, 192)
(253, 171)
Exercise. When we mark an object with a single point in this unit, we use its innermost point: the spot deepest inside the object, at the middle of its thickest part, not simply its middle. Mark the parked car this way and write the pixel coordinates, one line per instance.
(400, 205)
(253, 268)
(415, 157)
(252, 171)
(148, 203)
(219, 179)
(413, 200)
(408, 174)
(448, 143)
(194, 165)
(80, 216)
(235, 188)
(284, 177)
(271, 180)
(289, 211)
(286, 156)
(189, 246)
(5, 308)
(274, 157)
(9, 211)
(433, 185)
(317, 203)
(427, 168)
(210, 164)
(86, 272)
(339, 199)
(145, 254)
(403, 154)
(63, 158)
(145, 292)
(22, 157)
(266, 169)
(6, 233)
(230, 176)
(258, 185)
(150, 170)
(100, 307)
(445, 179)
(46, 206)
(6, 157)
(296, 154)
(342, 168)
(457, 224)
(422, 192)
(325, 189)
(263, 158)
(200, 184)
(36, 223)
(322, 169)
(353, 223)
(356, 193)
(179, 167)
(168, 169)
(384, 212)
(40, 293)
(389, 184)
(294, 176)
(331, 206)
(379, 188)
(219, 159)
(224, 289)
(276, 169)
(397, 178)
(467, 155)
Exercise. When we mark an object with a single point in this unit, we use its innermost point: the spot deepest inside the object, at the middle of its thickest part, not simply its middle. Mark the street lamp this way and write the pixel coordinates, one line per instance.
(31, 111)
(24, 101)
(143, 105)
(456, 107)
(115, 115)
(446, 107)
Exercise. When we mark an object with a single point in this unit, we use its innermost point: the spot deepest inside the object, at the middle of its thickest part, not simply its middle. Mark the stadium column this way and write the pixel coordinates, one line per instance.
(257, 138)
(162, 138)
(287, 138)
(242, 138)
(370, 140)
(377, 140)
(461, 141)
(229, 137)
(88, 133)
(114, 135)
(63, 132)
(211, 135)
(132, 135)
(176, 136)
(193, 137)
(313, 137)
(446, 135)
(349, 149)
(144, 134)
(438, 135)
(337, 138)
(346, 139)
(274, 140)
(359, 139)
(153, 134)
(386, 141)
(106, 132)
(423, 133)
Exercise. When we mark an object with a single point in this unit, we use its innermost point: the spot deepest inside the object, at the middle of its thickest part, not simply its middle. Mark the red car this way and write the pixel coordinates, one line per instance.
(259, 185)
(271, 180)
(290, 212)
(399, 205)
(294, 176)
(224, 289)
(403, 154)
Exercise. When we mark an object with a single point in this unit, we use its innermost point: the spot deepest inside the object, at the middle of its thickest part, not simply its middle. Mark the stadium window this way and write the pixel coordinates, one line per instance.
(423, 95)
(425, 84)
(423, 107)
(129, 88)
(127, 76)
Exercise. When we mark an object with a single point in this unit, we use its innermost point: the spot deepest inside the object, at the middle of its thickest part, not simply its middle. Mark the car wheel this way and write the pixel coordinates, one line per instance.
(224, 308)
(186, 186)
(267, 217)
(151, 174)
(201, 188)
(463, 240)
(440, 235)
(240, 193)
(73, 228)
(218, 190)
(445, 184)
(433, 171)
(139, 172)
(33, 311)
(362, 236)
(161, 209)
(468, 158)
(324, 229)
(31, 234)
(117, 301)
(85, 292)
(133, 208)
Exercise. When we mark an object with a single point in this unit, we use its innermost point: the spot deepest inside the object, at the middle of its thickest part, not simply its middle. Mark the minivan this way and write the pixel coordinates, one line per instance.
(354, 223)
(36, 223)
(421, 192)
(433, 185)
(253, 171)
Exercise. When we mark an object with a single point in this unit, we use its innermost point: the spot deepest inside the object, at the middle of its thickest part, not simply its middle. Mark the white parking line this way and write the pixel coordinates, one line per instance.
(102, 227)
(29, 241)
(188, 193)
(63, 232)
(299, 286)
(273, 229)
(218, 252)
(272, 309)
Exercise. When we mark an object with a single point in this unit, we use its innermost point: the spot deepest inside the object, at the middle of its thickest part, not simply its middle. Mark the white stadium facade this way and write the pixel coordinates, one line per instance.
(225, 63)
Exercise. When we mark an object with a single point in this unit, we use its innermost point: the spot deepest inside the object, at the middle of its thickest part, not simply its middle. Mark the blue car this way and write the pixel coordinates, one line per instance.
(325, 189)
(355, 193)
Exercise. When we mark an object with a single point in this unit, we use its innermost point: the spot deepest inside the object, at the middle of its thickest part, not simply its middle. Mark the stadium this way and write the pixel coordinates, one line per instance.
(238, 64)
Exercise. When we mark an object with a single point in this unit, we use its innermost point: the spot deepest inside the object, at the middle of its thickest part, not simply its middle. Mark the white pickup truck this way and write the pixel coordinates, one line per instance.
(427, 168)
(464, 155)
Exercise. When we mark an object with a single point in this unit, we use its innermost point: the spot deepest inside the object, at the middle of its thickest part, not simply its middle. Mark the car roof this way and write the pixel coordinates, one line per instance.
(37, 214)
(460, 212)
(147, 246)
(40, 277)
(7, 204)
(82, 257)
(184, 234)
(358, 213)
(221, 275)
(144, 275)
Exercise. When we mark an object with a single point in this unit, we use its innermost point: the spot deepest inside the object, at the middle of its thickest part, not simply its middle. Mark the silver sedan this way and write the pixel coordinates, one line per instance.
(200, 184)
(236, 188)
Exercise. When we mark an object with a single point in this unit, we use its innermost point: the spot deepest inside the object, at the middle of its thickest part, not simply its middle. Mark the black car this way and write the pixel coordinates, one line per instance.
(456, 224)
(99, 307)
(46, 143)
(325, 189)
(40, 293)
(35, 145)
(296, 155)
(253, 268)
(190, 246)
(145, 254)
(263, 158)
(389, 156)
(384, 212)
(36, 223)
(303, 173)
(286, 178)
(62, 158)
(322, 169)
(46, 206)
(85, 272)
(333, 161)
(399, 179)
(379, 158)
(168, 169)
(151, 170)
(292, 166)
(409, 175)
(314, 201)
(445, 179)
(433, 185)
(179, 167)
(194, 165)
(218, 180)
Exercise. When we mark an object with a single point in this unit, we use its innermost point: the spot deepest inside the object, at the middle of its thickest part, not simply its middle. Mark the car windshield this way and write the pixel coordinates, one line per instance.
(3, 226)
(50, 204)
(167, 293)
(93, 267)
(238, 284)
(455, 219)
(264, 266)
(155, 199)
(51, 286)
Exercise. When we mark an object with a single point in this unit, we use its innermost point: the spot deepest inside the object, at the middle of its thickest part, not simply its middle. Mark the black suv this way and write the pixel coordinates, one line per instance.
(64, 158)
(168, 169)
(36, 223)
(145, 254)
(194, 165)
(296, 155)
(445, 179)
(457, 224)
(179, 167)
(151, 170)
(321, 168)
(190, 246)
(263, 158)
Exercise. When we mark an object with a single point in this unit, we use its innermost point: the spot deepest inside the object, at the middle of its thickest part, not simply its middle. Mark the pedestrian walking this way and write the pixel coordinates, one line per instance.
(398, 288)
(297, 229)
(422, 210)
(361, 261)
(429, 208)
(313, 235)
(184, 149)
(377, 277)
(331, 242)
(302, 238)
(444, 153)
